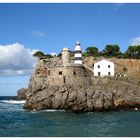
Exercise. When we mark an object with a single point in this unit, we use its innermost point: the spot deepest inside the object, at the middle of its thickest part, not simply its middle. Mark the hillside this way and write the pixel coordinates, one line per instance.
(128, 67)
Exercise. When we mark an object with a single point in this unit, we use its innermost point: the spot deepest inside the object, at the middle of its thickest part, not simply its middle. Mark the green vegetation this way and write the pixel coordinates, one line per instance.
(92, 51)
(59, 55)
(41, 55)
(38, 54)
(111, 50)
(133, 52)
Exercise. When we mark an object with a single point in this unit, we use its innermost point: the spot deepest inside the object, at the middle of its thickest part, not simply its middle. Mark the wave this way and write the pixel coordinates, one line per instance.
(47, 110)
(52, 110)
(13, 101)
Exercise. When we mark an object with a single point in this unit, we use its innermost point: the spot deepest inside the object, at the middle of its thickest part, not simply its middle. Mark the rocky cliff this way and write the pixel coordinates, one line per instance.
(100, 95)
(21, 94)
(128, 67)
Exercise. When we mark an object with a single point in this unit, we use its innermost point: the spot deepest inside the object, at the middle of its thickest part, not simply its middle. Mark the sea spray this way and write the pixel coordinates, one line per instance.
(13, 101)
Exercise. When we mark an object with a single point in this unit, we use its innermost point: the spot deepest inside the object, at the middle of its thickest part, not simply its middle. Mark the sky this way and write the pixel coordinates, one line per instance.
(26, 28)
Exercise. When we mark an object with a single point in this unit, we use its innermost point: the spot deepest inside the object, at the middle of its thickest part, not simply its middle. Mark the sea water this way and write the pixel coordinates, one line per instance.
(17, 122)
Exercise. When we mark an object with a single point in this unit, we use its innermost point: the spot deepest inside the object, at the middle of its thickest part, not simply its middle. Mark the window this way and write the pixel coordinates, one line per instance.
(109, 73)
(108, 66)
(98, 66)
(74, 73)
(99, 73)
(48, 72)
(60, 72)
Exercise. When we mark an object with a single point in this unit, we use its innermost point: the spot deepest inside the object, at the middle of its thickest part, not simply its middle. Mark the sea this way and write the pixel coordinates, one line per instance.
(17, 122)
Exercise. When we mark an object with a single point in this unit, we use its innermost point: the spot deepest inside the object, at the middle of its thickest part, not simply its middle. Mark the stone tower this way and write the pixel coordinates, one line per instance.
(78, 54)
(66, 56)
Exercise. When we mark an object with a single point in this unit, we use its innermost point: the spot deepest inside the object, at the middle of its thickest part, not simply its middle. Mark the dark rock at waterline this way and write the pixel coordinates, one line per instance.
(111, 95)
(21, 94)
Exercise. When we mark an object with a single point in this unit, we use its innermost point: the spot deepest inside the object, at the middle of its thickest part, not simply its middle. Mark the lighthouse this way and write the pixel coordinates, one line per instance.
(78, 54)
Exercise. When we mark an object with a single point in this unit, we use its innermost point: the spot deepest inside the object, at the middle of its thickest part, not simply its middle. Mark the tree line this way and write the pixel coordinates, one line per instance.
(114, 51)
(109, 51)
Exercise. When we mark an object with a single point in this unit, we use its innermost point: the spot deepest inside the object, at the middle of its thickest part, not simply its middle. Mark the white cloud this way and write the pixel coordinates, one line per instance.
(53, 53)
(15, 59)
(135, 41)
(38, 34)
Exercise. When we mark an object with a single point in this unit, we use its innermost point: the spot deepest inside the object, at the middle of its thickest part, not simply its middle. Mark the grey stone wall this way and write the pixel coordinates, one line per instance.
(78, 81)
(67, 71)
(55, 80)
(67, 80)
(66, 56)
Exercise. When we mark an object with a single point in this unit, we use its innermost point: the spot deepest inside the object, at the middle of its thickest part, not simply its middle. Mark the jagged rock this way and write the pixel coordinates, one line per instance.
(84, 99)
(21, 94)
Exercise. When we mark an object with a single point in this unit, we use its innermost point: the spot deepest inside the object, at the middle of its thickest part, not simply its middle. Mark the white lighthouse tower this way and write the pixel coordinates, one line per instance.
(78, 54)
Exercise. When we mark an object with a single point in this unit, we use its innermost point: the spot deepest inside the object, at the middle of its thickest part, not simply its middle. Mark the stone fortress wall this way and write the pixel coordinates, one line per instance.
(66, 72)
(73, 75)
(71, 70)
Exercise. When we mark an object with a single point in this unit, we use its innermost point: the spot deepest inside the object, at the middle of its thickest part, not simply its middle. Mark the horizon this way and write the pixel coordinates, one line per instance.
(28, 27)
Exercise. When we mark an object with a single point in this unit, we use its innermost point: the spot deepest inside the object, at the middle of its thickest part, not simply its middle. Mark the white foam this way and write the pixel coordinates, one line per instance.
(48, 110)
(13, 101)
(51, 110)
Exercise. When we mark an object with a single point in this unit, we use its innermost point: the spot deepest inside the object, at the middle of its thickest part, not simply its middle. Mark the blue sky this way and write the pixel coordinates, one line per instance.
(10, 85)
(50, 27)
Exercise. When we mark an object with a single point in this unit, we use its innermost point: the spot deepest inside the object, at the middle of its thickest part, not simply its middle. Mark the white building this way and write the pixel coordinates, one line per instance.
(104, 68)
(78, 54)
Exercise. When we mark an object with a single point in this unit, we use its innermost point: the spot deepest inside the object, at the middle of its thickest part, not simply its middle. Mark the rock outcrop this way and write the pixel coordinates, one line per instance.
(106, 94)
(21, 94)
(99, 94)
